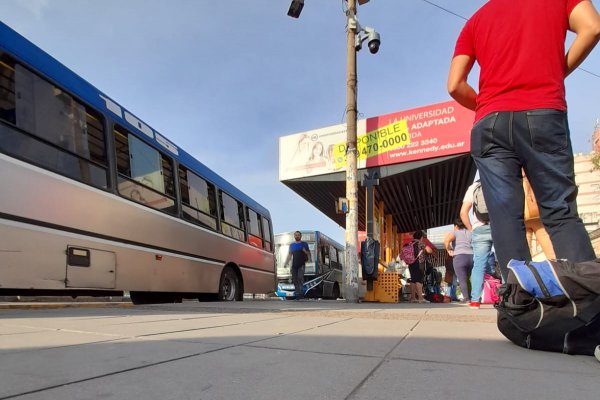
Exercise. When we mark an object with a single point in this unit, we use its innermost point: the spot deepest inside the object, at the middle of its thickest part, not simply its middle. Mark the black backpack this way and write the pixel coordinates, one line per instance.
(551, 306)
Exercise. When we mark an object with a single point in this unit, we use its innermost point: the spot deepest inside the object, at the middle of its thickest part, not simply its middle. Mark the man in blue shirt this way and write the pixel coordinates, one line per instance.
(300, 254)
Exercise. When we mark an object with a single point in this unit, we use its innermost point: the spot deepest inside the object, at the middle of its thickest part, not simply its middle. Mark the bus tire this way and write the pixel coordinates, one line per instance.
(229, 286)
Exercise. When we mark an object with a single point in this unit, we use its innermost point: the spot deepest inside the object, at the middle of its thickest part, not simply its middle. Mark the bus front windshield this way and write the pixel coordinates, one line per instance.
(281, 253)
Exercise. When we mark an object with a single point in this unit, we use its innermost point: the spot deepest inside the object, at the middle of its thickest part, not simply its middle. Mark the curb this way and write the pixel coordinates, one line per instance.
(51, 306)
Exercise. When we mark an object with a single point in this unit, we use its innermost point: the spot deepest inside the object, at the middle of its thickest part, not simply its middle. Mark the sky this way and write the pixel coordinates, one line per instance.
(224, 79)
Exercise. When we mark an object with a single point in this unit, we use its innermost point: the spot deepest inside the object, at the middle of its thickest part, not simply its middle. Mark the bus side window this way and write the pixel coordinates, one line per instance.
(266, 227)
(57, 132)
(254, 231)
(145, 174)
(323, 258)
(197, 198)
(334, 258)
(7, 89)
(232, 216)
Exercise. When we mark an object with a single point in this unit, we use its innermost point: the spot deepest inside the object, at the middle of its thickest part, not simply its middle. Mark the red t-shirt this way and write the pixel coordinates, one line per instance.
(520, 48)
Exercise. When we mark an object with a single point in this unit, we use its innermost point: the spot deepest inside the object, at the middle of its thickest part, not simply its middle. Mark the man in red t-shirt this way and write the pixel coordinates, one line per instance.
(521, 118)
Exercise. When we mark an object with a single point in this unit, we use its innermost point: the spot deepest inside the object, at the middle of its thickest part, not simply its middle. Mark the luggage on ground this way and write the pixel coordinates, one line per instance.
(432, 280)
(552, 306)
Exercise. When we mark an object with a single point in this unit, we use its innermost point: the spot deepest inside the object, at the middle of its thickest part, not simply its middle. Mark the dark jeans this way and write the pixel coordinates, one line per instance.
(298, 280)
(538, 141)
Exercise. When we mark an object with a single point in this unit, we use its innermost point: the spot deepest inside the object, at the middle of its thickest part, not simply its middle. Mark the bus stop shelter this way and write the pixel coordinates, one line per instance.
(420, 157)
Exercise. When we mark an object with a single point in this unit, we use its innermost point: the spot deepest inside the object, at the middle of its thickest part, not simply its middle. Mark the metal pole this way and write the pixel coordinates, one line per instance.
(351, 270)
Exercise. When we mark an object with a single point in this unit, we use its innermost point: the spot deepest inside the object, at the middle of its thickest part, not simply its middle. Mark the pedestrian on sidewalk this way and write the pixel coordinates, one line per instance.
(299, 253)
(459, 247)
(417, 268)
(481, 242)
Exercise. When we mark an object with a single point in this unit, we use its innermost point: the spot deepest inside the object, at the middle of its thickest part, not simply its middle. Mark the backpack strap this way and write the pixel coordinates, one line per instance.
(418, 252)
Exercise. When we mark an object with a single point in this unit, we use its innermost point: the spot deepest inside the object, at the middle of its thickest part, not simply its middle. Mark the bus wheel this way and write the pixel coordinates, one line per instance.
(229, 287)
(335, 292)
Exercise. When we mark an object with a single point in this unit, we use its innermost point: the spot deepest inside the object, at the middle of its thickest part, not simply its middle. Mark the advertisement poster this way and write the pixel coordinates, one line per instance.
(312, 153)
(426, 132)
(435, 131)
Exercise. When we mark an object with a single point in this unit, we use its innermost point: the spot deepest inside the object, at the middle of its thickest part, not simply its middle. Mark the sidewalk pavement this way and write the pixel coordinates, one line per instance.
(274, 349)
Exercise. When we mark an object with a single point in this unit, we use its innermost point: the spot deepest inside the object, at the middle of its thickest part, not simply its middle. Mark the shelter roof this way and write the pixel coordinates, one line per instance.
(419, 195)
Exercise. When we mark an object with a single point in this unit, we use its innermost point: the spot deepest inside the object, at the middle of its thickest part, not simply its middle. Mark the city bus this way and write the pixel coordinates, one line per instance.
(95, 202)
(322, 274)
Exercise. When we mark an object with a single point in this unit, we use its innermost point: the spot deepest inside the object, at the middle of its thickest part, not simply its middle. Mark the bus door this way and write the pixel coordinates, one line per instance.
(325, 269)
(336, 265)
(90, 268)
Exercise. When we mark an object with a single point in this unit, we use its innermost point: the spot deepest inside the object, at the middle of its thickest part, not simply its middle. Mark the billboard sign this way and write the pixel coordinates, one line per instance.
(435, 131)
(426, 132)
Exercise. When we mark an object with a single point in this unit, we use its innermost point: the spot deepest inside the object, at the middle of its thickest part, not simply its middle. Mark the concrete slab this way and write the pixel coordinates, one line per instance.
(233, 373)
(16, 329)
(258, 331)
(271, 350)
(49, 339)
(133, 328)
(365, 337)
(424, 380)
(46, 368)
(481, 344)
(134, 325)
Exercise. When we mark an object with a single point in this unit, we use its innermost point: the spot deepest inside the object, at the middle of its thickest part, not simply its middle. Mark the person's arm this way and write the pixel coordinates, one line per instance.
(585, 22)
(464, 214)
(447, 240)
(289, 256)
(306, 252)
(458, 87)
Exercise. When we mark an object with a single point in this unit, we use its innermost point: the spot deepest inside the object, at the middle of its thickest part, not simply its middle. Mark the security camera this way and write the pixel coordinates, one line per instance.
(295, 8)
(374, 40)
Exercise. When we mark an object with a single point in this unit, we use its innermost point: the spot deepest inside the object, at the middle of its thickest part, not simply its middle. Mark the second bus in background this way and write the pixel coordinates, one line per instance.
(323, 272)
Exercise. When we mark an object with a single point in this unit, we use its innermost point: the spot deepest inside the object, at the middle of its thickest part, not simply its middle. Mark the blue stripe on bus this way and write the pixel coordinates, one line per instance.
(42, 62)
